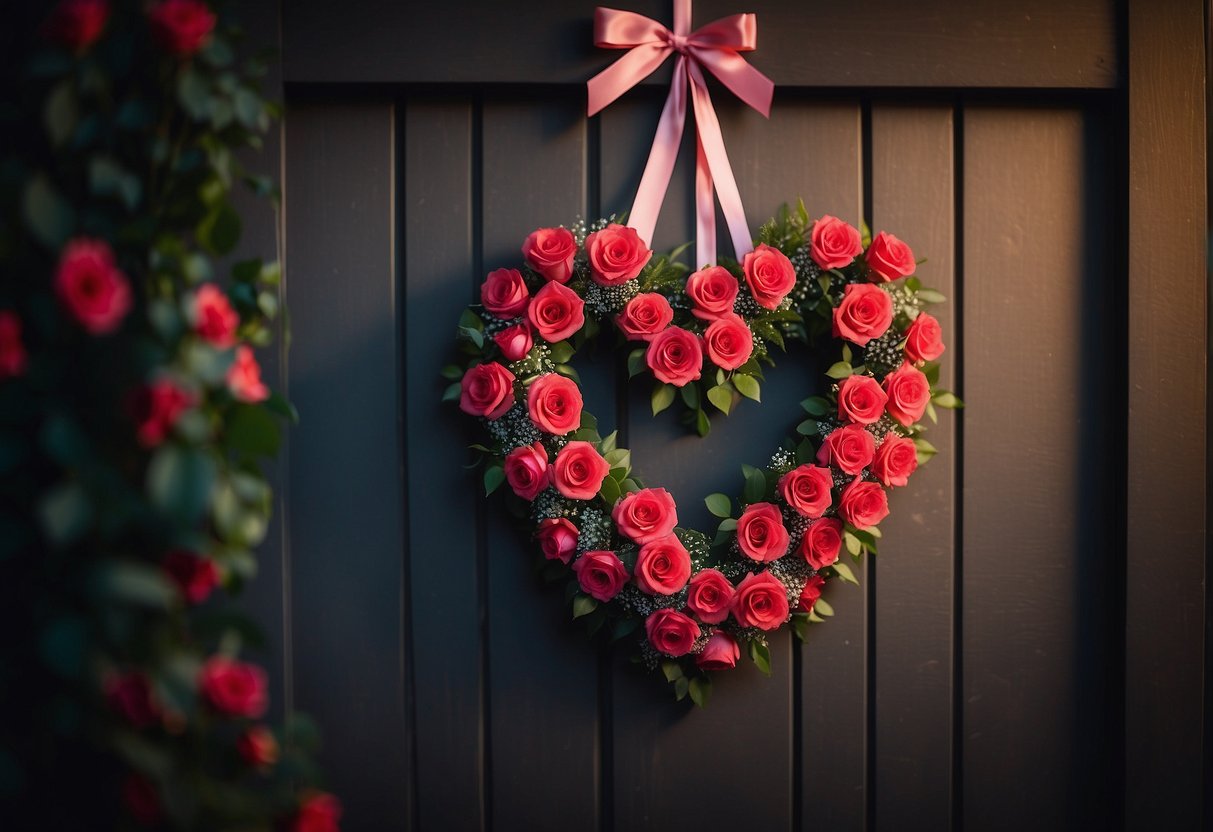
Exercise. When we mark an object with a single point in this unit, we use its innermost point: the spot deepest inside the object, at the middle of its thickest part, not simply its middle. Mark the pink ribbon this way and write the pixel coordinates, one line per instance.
(716, 47)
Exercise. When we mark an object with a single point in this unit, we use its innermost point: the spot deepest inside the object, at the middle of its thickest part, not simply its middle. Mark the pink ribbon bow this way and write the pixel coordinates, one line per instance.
(716, 47)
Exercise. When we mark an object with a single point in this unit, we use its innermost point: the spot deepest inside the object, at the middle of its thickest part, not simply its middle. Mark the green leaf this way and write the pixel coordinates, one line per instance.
(671, 670)
(60, 112)
(823, 608)
(681, 688)
(452, 392)
(840, 370)
(471, 320)
(722, 398)
(807, 428)
(816, 405)
(931, 371)
(608, 442)
(134, 583)
(253, 431)
(623, 627)
(947, 399)
(179, 482)
(610, 491)
(107, 178)
(755, 487)
(220, 230)
(494, 476)
(636, 363)
(49, 216)
(719, 504)
(846, 352)
(65, 513)
(690, 395)
(562, 351)
(760, 654)
(619, 458)
(194, 94)
(701, 691)
(747, 386)
(930, 296)
(451, 371)
(854, 546)
(925, 450)
(663, 397)
(702, 423)
(844, 572)
(248, 107)
(728, 524)
(583, 605)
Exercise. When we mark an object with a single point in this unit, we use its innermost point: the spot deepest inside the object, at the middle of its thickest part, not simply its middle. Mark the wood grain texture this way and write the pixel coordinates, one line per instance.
(814, 43)
(912, 197)
(1167, 453)
(437, 203)
(347, 530)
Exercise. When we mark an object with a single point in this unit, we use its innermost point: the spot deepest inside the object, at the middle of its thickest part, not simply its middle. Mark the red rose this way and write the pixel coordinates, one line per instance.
(720, 653)
(713, 291)
(183, 27)
(487, 390)
(861, 400)
(257, 747)
(645, 515)
(195, 576)
(834, 243)
(130, 695)
(811, 592)
(157, 408)
(514, 341)
(761, 601)
(557, 538)
(526, 470)
(554, 402)
(319, 812)
(909, 394)
(710, 596)
(616, 254)
(233, 688)
(504, 294)
(141, 800)
(12, 351)
(213, 316)
(896, 459)
(244, 377)
(601, 574)
(550, 251)
(91, 287)
(670, 632)
(556, 312)
(644, 316)
(863, 504)
(77, 24)
(769, 274)
(761, 533)
(675, 356)
(849, 449)
(866, 311)
(579, 471)
(663, 566)
(729, 341)
(924, 339)
(889, 258)
(807, 489)
(822, 542)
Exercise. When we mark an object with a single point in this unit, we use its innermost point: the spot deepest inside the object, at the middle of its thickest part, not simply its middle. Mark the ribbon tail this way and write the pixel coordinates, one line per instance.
(705, 209)
(657, 171)
(712, 141)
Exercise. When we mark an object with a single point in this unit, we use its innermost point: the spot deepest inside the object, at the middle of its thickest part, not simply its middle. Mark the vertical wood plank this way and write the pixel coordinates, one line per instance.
(439, 258)
(544, 674)
(1040, 470)
(346, 522)
(1165, 614)
(912, 197)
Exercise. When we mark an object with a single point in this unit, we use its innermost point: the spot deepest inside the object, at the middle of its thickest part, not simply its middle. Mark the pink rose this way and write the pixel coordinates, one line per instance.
(504, 294)
(729, 341)
(319, 812)
(761, 533)
(822, 542)
(909, 394)
(710, 596)
(645, 515)
(863, 504)
(720, 653)
(514, 341)
(663, 566)
(713, 291)
(526, 470)
(850, 449)
(556, 312)
(616, 254)
(866, 311)
(810, 593)
(675, 356)
(91, 287)
(924, 339)
(233, 688)
(807, 489)
(213, 317)
(183, 27)
(554, 402)
(644, 316)
(601, 574)
(244, 377)
(889, 258)
(579, 471)
(557, 538)
(158, 406)
(896, 459)
(834, 243)
(487, 390)
(761, 601)
(257, 747)
(670, 632)
(77, 24)
(861, 400)
(12, 351)
(130, 695)
(550, 251)
(196, 576)
(770, 275)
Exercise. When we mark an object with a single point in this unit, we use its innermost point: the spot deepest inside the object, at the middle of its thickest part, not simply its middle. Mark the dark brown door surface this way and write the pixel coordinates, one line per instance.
(1029, 649)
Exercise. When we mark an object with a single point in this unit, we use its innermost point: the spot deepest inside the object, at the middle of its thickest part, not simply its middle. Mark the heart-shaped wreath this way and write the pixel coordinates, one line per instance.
(616, 543)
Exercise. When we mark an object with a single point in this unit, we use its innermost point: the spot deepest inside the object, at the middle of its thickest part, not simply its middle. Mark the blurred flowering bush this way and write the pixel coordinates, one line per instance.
(134, 421)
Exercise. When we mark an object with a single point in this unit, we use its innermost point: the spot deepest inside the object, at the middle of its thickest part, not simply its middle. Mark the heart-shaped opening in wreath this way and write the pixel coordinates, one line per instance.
(630, 556)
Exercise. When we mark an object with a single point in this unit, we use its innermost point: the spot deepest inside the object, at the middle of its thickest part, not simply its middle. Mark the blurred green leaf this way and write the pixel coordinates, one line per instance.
(193, 94)
(60, 112)
(179, 482)
(132, 582)
(583, 605)
(47, 214)
(65, 513)
(253, 431)
(220, 230)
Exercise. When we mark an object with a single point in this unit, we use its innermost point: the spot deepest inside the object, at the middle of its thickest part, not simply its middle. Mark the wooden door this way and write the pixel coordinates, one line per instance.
(1027, 652)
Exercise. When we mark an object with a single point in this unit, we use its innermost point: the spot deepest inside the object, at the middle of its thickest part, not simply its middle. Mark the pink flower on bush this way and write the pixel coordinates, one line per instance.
(644, 316)
(557, 538)
(319, 812)
(504, 294)
(183, 27)
(526, 470)
(729, 341)
(770, 275)
(713, 291)
(554, 402)
(663, 566)
(550, 251)
(601, 574)
(196, 576)
(556, 312)
(130, 695)
(487, 390)
(645, 515)
(720, 653)
(761, 601)
(213, 317)
(257, 747)
(77, 24)
(616, 254)
(158, 406)
(514, 342)
(579, 471)
(865, 312)
(807, 489)
(233, 688)
(889, 258)
(671, 632)
(710, 596)
(761, 533)
(91, 286)
(244, 377)
(834, 243)
(822, 542)
(675, 356)
(12, 351)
